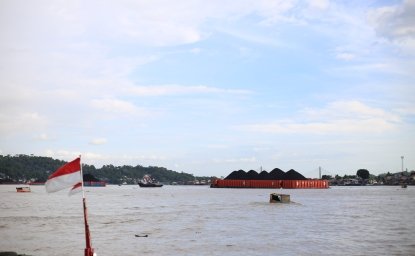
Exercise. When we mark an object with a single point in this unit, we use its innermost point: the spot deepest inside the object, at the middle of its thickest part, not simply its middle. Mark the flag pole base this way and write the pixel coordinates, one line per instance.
(89, 252)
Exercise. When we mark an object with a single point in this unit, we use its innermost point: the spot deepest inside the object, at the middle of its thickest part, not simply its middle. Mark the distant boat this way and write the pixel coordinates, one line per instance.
(95, 183)
(148, 182)
(91, 181)
(23, 189)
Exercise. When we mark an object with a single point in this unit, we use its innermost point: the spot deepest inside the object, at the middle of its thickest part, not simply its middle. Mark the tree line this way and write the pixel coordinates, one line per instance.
(363, 176)
(24, 168)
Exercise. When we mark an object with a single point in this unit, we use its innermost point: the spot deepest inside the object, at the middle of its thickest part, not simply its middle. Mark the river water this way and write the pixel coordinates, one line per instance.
(198, 220)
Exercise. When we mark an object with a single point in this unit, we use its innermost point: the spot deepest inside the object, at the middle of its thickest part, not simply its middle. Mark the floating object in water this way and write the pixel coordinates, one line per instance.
(141, 235)
(279, 198)
(23, 189)
(11, 254)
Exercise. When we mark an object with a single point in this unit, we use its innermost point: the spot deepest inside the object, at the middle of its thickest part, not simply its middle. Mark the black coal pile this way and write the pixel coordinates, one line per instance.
(252, 175)
(237, 175)
(264, 175)
(275, 174)
(90, 177)
(293, 175)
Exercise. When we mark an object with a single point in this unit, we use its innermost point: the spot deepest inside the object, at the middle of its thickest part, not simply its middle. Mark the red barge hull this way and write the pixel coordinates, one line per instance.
(288, 184)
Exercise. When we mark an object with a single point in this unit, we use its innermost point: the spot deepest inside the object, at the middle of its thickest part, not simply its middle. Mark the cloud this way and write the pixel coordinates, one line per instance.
(195, 50)
(255, 38)
(336, 118)
(217, 146)
(396, 23)
(273, 12)
(150, 23)
(345, 56)
(70, 155)
(16, 122)
(100, 159)
(86, 61)
(116, 106)
(236, 160)
(407, 110)
(42, 137)
(129, 159)
(143, 157)
(380, 67)
(335, 126)
(98, 141)
(156, 23)
(319, 4)
(349, 109)
(161, 90)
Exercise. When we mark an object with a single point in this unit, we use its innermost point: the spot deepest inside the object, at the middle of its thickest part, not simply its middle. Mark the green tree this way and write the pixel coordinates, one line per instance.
(326, 177)
(363, 173)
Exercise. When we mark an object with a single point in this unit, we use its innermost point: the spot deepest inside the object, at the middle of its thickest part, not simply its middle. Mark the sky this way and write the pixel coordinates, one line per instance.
(209, 87)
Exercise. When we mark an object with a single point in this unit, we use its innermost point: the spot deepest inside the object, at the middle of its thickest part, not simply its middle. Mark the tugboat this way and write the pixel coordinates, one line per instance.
(148, 182)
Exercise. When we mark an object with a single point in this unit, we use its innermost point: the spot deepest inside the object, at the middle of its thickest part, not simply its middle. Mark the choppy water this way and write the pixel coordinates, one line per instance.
(198, 220)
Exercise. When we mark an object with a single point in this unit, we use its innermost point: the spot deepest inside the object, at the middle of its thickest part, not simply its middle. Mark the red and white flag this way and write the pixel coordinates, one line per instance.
(75, 189)
(66, 176)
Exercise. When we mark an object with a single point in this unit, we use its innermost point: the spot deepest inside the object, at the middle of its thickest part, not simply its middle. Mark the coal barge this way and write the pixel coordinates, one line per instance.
(274, 179)
(91, 181)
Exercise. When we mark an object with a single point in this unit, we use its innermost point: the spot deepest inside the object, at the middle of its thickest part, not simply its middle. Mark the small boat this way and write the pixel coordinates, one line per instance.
(23, 189)
(148, 182)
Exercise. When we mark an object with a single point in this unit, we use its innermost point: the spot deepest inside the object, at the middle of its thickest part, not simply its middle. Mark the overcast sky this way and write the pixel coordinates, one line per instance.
(208, 87)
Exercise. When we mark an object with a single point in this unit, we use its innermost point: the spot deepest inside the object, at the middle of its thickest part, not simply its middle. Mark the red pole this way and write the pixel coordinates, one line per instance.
(88, 250)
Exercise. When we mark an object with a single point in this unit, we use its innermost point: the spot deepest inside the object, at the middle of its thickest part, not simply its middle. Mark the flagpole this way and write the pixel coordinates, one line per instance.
(89, 251)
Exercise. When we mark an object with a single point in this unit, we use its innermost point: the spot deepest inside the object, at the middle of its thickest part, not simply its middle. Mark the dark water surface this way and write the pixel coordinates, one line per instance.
(198, 220)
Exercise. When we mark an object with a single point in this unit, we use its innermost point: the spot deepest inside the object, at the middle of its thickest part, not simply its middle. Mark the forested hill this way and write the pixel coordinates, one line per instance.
(23, 168)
